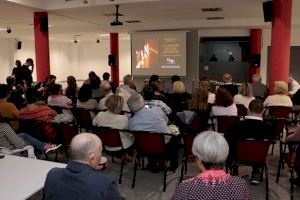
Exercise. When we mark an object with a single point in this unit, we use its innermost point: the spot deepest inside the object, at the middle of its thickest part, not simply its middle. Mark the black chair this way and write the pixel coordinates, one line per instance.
(224, 123)
(111, 138)
(154, 149)
(83, 118)
(242, 110)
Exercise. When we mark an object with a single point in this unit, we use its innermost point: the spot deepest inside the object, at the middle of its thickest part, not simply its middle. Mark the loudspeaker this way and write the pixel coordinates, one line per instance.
(268, 14)
(44, 23)
(255, 60)
(19, 45)
(111, 60)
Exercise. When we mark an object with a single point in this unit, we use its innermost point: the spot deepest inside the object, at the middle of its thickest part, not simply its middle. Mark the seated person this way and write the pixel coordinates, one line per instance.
(228, 85)
(106, 87)
(148, 94)
(294, 86)
(179, 98)
(58, 99)
(245, 95)
(260, 90)
(8, 110)
(16, 92)
(105, 77)
(112, 118)
(12, 141)
(211, 151)
(252, 127)
(97, 92)
(154, 120)
(71, 90)
(81, 178)
(224, 105)
(280, 98)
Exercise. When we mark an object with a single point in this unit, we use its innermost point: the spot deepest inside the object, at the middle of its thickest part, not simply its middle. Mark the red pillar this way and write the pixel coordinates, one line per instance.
(255, 50)
(41, 47)
(280, 42)
(114, 50)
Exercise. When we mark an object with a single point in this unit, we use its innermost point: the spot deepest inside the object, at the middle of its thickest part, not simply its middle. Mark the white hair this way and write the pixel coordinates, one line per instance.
(210, 147)
(135, 102)
(256, 77)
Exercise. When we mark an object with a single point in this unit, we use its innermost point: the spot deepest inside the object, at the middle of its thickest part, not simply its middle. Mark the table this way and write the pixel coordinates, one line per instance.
(22, 177)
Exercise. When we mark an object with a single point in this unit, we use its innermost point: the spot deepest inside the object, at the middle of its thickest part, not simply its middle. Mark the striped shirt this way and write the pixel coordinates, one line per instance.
(9, 139)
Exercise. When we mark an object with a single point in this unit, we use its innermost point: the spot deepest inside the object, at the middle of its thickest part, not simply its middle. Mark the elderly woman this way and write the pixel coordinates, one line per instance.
(280, 97)
(245, 95)
(112, 118)
(224, 104)
(211, 151)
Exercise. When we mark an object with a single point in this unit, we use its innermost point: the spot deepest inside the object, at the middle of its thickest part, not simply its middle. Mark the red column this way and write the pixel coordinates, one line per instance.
(114, 50)
(255, 50)
(280, 42)
(41, 46)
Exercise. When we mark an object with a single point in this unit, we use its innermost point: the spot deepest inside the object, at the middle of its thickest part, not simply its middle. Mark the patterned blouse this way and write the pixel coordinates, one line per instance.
(213, 184)
(9, 139)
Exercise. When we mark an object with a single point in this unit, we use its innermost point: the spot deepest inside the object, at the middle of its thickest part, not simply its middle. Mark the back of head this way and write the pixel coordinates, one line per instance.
(178, 87)
(106, 76)
(175, 78)
(227, 78)
(199, 100)
(106, 87)
(211, 148)
(246, 90)
(11, 81)
(153, 78)
(256, 106)
(55, 89)
(127, 79)
(223, 97)
(4, 91)
(256, 78)
(114, 103)
(92, 74)
(29, 61)
(18, 63)
(148, 92)
(85, 93)
(31, 95)
(281, 87)
(71, 81)
(135, 102)
(95, 82)
(84, 145)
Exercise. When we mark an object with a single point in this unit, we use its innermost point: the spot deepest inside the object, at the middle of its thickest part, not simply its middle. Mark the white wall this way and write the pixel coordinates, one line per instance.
(6, 58)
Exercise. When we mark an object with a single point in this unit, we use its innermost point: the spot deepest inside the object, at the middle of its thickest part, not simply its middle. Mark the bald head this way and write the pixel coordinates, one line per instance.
(105, 85)
(84, 145)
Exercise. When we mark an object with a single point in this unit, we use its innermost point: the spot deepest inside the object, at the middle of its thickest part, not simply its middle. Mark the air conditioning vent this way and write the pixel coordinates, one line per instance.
(215, 18)
(212, 9)
(133, 21)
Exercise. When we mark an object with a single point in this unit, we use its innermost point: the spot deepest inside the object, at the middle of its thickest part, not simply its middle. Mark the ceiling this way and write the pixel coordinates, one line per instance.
(85, 20)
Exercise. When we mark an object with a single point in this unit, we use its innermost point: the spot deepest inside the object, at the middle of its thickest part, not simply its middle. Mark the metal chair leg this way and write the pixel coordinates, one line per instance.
(165, 177)
(122, 166)
(182, 170)
(134, 173)
(267, 183)
(292, 183)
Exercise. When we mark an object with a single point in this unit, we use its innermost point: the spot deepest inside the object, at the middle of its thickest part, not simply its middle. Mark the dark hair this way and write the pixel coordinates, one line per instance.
(55, 89)
(92, 74)
(153, 78)
(31, 95)
(223, 98)
(106, 76)
(256, 106)
(11, 81)
(175, 78)
(18, 63)
(4, 91)
(29, 60)
(85, 93)
(72, 86)
(148, 92)
(95, 82)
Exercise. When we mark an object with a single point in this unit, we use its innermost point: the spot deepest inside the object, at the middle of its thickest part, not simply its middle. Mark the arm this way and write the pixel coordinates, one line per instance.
(113, 193)
(13, 137)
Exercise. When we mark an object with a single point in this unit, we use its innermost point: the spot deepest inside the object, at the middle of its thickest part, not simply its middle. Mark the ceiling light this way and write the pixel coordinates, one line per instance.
(98, 41)
(75, 41)
(8, 30)
(116, 22)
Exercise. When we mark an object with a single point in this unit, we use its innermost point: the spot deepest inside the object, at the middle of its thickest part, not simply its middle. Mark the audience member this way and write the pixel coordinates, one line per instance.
(156, 85)
(72, 90)
(228, 85)
(211, 95)
(92, 74)
(199, 100)
(81, 178)
(293, 85)
(106, 87)
(112, 118)
(16, 93)
(150, 102)
(260, 90)
(97, 92)
(105, 77)
(245, 95)
(85, 98)
(153, 120)
(58, 99)
(211, 151)
(126, 90)
(224, 104)
(8, 110)
(252, 127)
(44, 88)
(175, 78)
(280, 97)
(10, 141)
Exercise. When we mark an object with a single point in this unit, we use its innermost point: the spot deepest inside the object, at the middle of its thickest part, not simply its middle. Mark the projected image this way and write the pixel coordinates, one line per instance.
(162, 53)
(145, 55)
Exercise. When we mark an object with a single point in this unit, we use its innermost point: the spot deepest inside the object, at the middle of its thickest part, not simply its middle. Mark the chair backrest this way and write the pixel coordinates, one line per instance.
(66, 132)
(252, 151)
(242, 110)
(199, 122)
(226, 122)
(58, 109)
(279, 111)
(188, 140)
(110, 137)
(294, 149)
(150, 143)
(83, 117)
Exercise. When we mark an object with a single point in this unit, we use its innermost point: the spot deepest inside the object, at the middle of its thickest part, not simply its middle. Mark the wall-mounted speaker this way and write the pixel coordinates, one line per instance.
(268, 14)
(44, 23)
(19, 45)
(111, 60)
